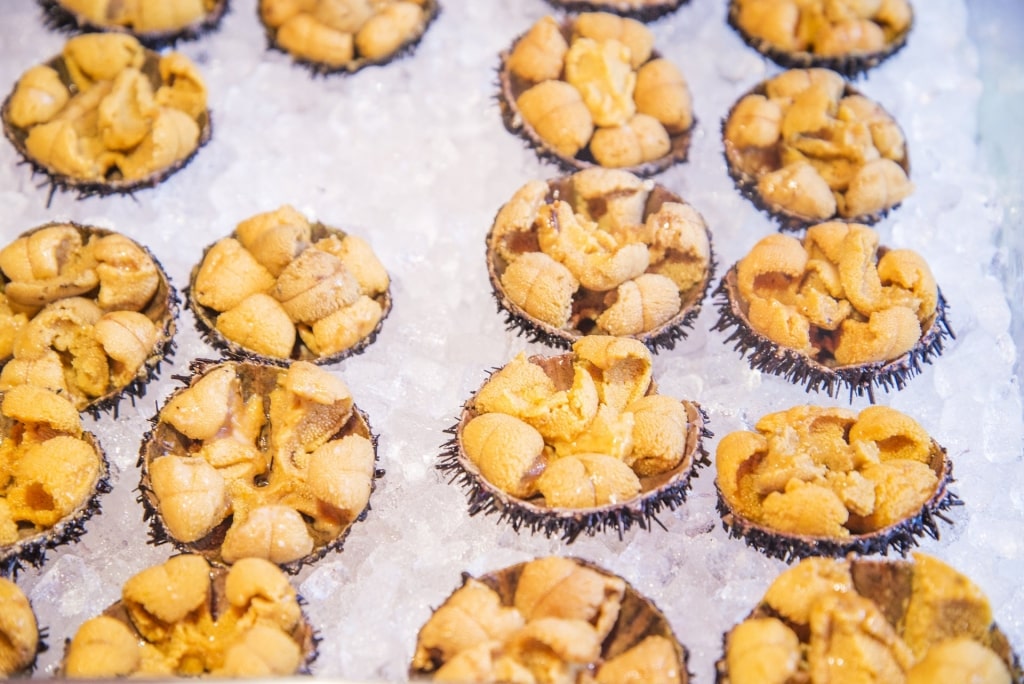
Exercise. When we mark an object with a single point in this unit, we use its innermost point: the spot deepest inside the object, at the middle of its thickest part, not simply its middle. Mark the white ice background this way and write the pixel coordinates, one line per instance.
(413, 157)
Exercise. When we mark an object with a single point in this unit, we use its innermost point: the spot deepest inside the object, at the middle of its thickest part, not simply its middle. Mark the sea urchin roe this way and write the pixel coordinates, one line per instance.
(282, 286)
(121, 118)
(875, 622)
(815, 150)
(48, 469)
(569, 430)
(141, 16)
(836, 296)
(339, 34)
(827, 28)
(546, 623)
(84, 307)
(184, 619)
(19, 634)
(278, 458)
(596, 255)
(812, 471)
(592, 87)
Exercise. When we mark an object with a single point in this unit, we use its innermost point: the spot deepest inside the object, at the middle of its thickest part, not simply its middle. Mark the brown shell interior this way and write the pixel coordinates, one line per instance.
(207, 318)
(560, 370)
(638, 617)
(512, 86)
(114, 183)
(162, 310)
(587, 304)
(164, 439)
(888, 584)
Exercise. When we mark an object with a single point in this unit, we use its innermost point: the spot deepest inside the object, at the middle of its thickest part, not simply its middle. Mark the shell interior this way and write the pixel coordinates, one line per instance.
(767, 356)
(665, 490)
(510, 87)
(31, 550)
(850, 65)
(206, 321)
(164, 439)
(303, 633)
(114, 184)
(902, 536)
(61, 18)
(432, 9)
(645, 10)
(747, 166)
(888, 584)
(162, 310)
(664, 336)
(638, 619)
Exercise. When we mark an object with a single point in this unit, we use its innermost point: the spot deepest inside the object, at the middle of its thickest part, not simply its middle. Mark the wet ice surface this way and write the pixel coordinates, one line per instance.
(414, 158)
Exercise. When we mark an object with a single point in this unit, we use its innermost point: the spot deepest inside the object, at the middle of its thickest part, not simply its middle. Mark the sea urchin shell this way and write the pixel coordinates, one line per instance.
(827, 481)
(560, 614)
(642, 10)
(175, 20)
(600, 252)
(577, 443)
(256, 460)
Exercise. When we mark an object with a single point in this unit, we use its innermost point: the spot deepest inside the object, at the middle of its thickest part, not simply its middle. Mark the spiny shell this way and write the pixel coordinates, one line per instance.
(767, 356)
(850, 65)
(164, 439)
(665, 490)
(887, 583)
(638, 618)
(432, 9)
(162, 310)
(510, 87)
(111, 186)
(206, 320)
(59, 17)
(664, 336)
(747, 166)
(642, 10)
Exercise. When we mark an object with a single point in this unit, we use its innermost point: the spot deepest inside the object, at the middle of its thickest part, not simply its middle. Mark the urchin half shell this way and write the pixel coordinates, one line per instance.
(114, 184)
(217, 603)
(638, 619)
(850, 65)
(588, 304)
(32, 546)
(431, 10)
(62, 18)
(255, 380)
(206, 320)
(643, 10)
(511, 86)
(20, 638)
(665, 490)
(818, 375)
(888, 585)
(746, 165)
(161, 310)
(901, 536)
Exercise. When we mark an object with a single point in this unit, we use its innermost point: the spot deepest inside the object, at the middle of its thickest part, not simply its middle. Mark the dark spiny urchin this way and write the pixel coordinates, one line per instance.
(568, 524)
(432, 9)
(522, 323)
(92, 188)
(746, 169)
(61, 19)
(901, 536)
(764, 355)
(851, 66)
(645, 12)
(636, 618)
(888, 584)
(206, 321)
(510, 87)
(209, 546)
(31, 551)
